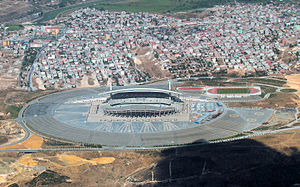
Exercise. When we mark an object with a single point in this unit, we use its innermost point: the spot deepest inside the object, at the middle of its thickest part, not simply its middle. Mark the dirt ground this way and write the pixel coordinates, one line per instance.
(9, 68)
(146, 62)
(13, 9)
(285, 143)
(107, 168)
(37, 83)
(281, 116)
(73, 160)
(278, 100)
(89, 81)
(7, 83)
(11, 130)
(293, 81)
(270, 160)
(33, 142)
(237, 163)
(17, 98)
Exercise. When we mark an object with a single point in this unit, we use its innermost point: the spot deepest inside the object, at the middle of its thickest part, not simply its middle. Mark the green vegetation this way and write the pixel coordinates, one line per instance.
(233, 90)
(263, 81)
(14, 27)
(288, 90)
(9, 98)
(217, 81)
(50, 143)
(34, 10)
(64, 3)
(270, 81)
(273, 127)
(91, 145)
(29, 58)
(158, 6)
(155, 6)
(14, 110)
(52, 14)
(272, 95)
(267, 89)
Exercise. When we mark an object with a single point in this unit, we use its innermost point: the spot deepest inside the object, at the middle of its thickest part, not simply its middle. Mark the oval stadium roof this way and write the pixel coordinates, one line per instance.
(142, 90)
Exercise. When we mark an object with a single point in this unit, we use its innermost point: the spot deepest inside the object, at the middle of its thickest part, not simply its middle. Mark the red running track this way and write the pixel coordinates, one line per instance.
(190, 88)
(253, 90)
(213, 91)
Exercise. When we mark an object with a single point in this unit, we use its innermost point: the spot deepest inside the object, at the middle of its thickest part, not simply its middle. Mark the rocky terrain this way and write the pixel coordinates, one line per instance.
(10, 131)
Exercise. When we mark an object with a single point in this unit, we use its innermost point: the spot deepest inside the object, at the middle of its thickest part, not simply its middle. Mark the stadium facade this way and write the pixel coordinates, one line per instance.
(138, 103)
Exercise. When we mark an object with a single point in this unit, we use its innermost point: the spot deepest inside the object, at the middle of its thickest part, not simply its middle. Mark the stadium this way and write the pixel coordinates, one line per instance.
(143, 116)
(136, 103)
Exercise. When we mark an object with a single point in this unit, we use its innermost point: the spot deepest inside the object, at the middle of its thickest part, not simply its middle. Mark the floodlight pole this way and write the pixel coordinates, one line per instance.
(110, 85)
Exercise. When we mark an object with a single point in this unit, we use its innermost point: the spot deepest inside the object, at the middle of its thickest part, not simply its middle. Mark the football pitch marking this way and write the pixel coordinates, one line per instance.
(259, 113)
(234, 115)
(251, 119)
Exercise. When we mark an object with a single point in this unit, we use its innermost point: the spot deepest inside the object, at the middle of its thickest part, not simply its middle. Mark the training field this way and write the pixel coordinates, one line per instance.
(233, 90)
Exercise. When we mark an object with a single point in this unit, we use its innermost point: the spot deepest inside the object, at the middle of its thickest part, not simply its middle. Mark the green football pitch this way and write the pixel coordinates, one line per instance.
(233, 90)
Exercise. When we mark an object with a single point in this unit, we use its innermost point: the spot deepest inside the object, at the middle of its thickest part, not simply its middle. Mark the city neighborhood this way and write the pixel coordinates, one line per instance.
(90, 48)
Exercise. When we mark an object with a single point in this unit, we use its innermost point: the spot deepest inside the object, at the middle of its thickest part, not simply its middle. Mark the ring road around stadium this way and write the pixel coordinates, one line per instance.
(141, 117)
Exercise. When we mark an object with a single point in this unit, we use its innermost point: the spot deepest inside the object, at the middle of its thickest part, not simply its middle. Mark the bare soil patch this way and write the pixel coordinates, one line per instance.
(146, 62)
(276, 100)
(13, 9)
(34, 142)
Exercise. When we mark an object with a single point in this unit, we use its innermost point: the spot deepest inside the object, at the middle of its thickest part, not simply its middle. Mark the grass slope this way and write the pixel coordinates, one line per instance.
(155, 6)
(14, 27)
(288, 90)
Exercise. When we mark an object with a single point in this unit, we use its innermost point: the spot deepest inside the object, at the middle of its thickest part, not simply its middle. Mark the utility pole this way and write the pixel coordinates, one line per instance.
(110, 85)
(204, 167)
(170, 169)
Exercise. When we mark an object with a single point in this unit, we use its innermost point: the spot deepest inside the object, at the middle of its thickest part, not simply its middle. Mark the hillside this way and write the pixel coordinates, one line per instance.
(20, 11)
(271, 160)
(44, 10)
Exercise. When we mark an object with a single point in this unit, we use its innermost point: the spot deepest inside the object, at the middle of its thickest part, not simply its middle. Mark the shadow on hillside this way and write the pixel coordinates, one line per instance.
(239, 163)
